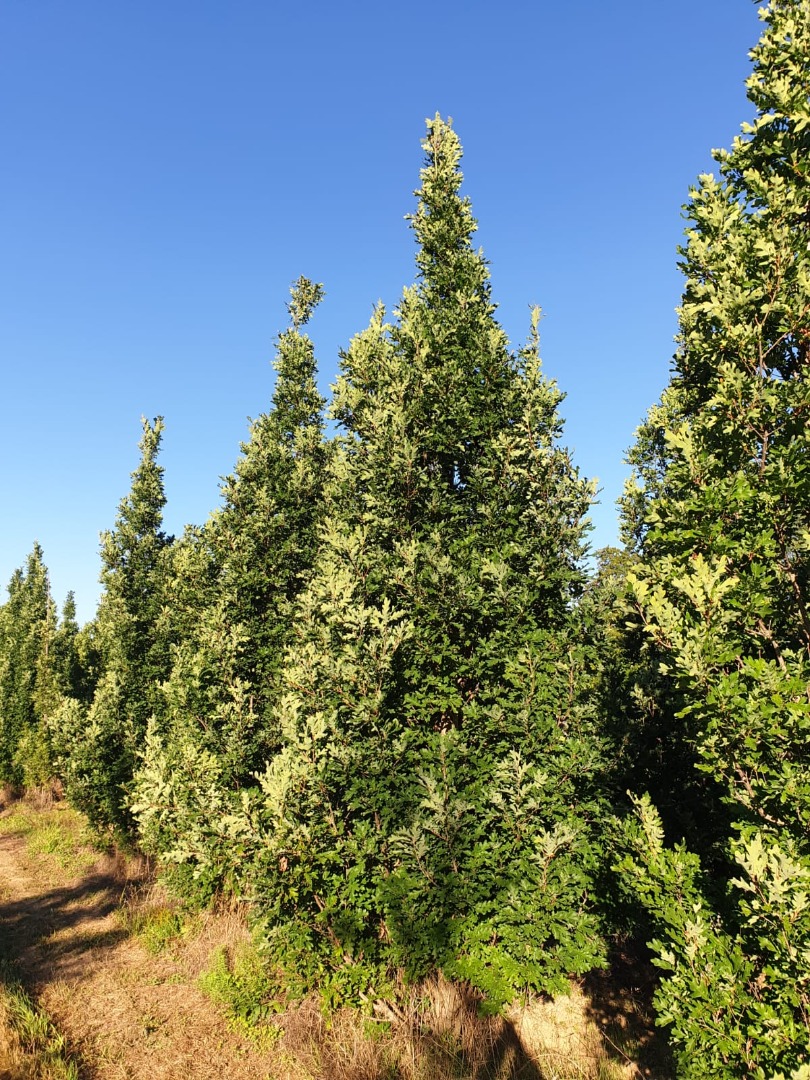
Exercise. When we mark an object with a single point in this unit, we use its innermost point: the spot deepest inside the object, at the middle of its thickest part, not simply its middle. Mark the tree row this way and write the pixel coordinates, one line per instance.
(383, 696)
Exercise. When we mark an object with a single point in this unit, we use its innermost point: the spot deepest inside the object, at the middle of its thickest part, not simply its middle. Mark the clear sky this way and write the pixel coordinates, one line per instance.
(168, 167)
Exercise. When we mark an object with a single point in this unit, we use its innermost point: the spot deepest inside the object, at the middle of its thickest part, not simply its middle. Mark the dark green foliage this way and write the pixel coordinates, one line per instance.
(233, 586)
(67, 653)
(39, 663)
(432, 800)
(721, 519)
(97, 743)
(134, 562)
(23, 626)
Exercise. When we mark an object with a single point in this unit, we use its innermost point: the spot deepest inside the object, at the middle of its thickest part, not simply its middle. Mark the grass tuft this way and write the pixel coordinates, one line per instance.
(31, 1048)
(156, 926)
(238, 980)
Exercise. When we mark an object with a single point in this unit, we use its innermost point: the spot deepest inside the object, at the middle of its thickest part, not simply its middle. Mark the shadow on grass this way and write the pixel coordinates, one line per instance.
(621, 1005)
(42, 931)
(444, 1038)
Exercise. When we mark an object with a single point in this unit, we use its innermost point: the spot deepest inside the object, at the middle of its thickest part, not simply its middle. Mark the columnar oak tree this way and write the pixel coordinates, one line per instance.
(98, 747)
(430, 804)
(232, 593)
(37, 666)
(721, 515)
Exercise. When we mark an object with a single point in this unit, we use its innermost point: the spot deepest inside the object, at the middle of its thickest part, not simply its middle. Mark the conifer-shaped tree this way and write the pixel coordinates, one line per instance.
(133, 569)
(58, 675)
(430, 803)
(237, 580)
(720, 511)
(74, 676)
(98, 747)
(27, 623)
(266, 535)
(39, 665)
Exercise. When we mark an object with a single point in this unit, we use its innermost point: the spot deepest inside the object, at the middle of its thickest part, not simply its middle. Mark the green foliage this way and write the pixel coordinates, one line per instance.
(241, 984)
(185, 810)
(232, 590)
(94, 753)
(33, 759)
(23, 622)
(39, 663)
(430, 644)
(155, 927)
(96, 743)
(719, 513)
(134, 568)
(737, 991)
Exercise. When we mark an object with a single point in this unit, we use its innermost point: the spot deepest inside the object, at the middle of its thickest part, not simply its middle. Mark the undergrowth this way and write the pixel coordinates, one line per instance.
(34, 1049)
(157, 927)
(238, 980)
(433, 1031)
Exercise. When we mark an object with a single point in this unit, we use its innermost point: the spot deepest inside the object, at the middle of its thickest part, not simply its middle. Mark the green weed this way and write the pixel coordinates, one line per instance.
(40, 1049)
(241, 984)
(160, 929)
(156, 927)
(68, 850)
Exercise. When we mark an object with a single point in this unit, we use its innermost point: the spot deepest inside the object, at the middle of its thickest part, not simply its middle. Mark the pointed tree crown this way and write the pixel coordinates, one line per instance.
(443, 223)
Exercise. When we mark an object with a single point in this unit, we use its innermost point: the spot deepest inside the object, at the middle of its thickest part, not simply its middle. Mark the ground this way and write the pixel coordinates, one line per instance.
(126, 1014)
(75, 926)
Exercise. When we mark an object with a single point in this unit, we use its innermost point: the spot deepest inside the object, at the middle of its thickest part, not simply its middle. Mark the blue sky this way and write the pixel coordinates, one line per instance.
(170, 167)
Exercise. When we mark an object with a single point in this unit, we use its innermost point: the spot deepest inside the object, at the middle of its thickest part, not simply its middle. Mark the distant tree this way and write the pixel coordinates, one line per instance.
(25, 627)
(720, 513)
(236, 580)
(98, 746)
(432, 799)
(38, 665)
(67, 660)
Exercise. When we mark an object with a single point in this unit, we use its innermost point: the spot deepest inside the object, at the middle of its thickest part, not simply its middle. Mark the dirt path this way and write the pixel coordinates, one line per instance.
(126, 1014)
(67, 917)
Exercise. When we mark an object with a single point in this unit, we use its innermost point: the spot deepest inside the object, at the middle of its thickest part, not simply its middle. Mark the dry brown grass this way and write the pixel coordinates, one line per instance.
(110, 960)
(45, 797)
(564, 1042)
(128, 1014)
(224, 928)
(439, 1033)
